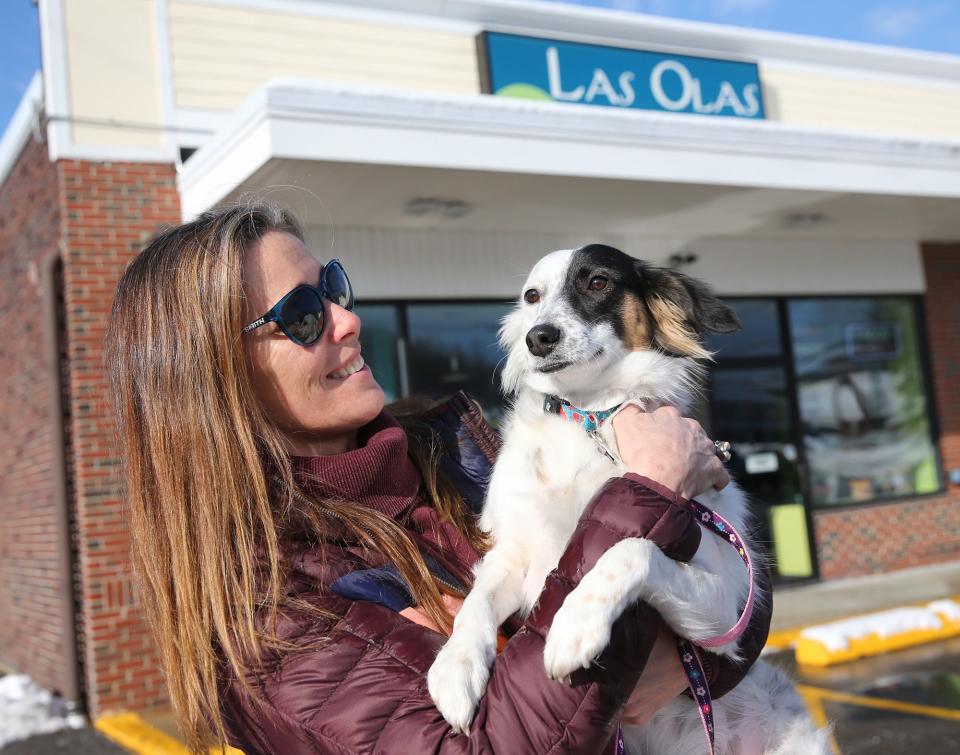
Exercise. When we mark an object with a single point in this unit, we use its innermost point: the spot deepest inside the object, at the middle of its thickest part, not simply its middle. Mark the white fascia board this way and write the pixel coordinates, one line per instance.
(53, 51)
(307, 120)
(21, 126)
(638, 30)
(164, 58)
(233, 155)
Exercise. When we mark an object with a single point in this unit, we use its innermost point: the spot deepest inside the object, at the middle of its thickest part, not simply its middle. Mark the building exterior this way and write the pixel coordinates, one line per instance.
(439, 149)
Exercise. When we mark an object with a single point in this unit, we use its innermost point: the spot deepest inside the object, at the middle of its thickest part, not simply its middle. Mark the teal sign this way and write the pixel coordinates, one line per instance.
(545, 69)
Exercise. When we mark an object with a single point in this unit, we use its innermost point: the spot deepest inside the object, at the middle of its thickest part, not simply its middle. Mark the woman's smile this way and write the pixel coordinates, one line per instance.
(342, 373)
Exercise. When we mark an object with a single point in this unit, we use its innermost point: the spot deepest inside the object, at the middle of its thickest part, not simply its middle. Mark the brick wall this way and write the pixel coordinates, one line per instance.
(941, 263)
(34, 597)
(109, 210)
(886, 537)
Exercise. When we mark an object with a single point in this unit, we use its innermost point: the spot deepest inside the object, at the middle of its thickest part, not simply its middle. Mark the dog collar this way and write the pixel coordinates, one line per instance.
(590, 420)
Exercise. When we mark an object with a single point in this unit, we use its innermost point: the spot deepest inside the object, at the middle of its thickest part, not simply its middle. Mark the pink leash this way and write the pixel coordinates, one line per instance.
(689, 654)
(712, 520)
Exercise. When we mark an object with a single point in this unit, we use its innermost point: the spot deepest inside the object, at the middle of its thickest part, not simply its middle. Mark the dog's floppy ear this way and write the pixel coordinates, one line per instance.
(512, 341)
(683, 309)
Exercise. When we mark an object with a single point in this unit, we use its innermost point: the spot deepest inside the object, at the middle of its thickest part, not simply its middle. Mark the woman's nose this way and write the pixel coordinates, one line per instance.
(343, 323)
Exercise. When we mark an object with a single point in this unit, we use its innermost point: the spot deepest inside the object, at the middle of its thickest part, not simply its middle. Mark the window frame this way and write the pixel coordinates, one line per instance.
(403, 326)
(787, 359)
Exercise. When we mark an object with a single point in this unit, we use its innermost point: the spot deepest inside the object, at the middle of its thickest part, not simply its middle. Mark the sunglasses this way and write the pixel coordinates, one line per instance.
(300, 313)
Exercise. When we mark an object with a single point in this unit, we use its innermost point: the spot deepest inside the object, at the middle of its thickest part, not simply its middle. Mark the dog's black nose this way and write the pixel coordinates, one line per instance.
(542, 338)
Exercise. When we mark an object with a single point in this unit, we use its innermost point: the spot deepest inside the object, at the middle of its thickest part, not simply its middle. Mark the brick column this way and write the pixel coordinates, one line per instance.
(872, 539)
(941, 264)
(109, 211)
(36, 626)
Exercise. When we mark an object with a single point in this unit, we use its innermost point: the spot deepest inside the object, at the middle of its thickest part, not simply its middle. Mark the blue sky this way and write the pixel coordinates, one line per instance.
(19, 53)
(922, 24)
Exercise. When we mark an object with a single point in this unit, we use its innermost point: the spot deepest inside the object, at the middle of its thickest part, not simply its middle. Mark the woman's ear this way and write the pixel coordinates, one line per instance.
(511, 337)
(683, 309)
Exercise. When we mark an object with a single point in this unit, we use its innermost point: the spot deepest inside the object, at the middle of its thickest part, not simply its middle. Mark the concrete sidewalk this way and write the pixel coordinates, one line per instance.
(795, 607)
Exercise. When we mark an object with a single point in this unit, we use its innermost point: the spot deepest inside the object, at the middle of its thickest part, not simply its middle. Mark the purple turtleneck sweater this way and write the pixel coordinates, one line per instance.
(380, 474)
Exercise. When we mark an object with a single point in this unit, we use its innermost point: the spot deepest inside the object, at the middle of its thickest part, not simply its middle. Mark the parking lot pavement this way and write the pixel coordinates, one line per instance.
(68, 742)
(904, 703)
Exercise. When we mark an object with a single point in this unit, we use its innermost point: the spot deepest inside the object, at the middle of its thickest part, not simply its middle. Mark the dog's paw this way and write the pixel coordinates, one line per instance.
(579, 633)
(457, 680)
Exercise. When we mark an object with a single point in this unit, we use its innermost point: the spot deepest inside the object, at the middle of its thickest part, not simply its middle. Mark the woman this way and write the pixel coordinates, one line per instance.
(301, 553)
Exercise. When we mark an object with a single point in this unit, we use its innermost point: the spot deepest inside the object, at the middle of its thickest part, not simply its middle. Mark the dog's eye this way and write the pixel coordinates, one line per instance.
(597, 283)
(531, 296)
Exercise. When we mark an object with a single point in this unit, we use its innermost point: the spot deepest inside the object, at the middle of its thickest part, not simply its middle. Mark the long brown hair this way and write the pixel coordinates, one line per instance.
(209, 480)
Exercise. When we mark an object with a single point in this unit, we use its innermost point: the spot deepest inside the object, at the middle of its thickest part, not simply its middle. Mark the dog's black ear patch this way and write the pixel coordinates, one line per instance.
(710, 313)
(699, 304)
(683, 309)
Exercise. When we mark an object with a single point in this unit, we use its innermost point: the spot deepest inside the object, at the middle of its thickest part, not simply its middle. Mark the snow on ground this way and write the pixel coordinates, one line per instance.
(837, 635)
(949, 609)
(26, 710)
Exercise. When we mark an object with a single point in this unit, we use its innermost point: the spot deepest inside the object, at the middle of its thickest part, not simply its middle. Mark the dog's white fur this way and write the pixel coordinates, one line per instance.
(547, 472)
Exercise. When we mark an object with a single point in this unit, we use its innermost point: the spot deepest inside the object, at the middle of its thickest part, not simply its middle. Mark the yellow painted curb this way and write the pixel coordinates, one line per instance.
(785, 639)
(782, 640)
(132, 732)
(817, 651)
(813, 653)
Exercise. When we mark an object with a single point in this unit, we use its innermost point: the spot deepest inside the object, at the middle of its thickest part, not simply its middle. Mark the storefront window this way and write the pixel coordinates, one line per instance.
(862, 400)
(751, 410)
(453, 347)
(751, 407)
(759, 335)
(379, 336)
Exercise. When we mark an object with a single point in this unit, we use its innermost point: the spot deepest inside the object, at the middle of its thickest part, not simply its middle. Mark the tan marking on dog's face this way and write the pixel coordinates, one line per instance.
(637, 329)
(673, 333)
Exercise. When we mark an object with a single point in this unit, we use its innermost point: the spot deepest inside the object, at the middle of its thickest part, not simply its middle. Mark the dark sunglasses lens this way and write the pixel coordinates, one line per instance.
(337, 284)
(302, 315)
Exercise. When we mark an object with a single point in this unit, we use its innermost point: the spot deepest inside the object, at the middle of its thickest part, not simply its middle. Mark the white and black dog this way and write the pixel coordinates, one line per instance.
(598, 328)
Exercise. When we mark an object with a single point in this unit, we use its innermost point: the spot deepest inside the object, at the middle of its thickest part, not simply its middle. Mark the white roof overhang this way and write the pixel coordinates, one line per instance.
(306, 120)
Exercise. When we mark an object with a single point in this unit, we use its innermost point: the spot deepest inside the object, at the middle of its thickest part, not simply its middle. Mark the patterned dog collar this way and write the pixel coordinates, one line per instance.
(590, 420)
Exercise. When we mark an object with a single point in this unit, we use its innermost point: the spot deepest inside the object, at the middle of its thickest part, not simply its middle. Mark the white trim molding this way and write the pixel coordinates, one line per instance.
(53, 49)
(165, 70)
(301, 119)
(23, 123)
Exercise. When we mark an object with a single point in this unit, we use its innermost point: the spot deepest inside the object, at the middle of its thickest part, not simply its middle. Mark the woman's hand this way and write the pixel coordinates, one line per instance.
(661, 681)
(669, 449)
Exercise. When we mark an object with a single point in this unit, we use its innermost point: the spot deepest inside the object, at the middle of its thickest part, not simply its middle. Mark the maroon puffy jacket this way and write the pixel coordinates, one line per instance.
(364, 689)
